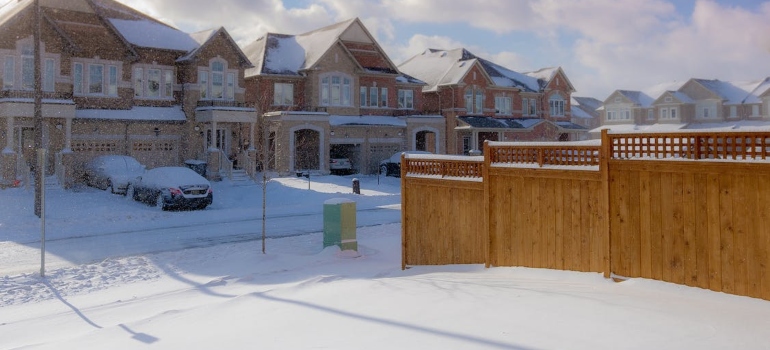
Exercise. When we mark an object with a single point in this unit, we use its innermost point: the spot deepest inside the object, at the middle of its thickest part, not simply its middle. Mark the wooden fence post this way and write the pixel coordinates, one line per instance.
(604, 156)
(403, 212)
(485, 179)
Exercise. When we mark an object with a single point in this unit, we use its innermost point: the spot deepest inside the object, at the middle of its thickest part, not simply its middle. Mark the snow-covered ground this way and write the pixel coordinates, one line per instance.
(122, 275)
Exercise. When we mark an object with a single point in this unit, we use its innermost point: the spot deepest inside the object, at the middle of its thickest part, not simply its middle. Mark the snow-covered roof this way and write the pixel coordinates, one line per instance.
(136, 113)
(637, 97)
(448, 67)
(289, 54)
(657, 90)
(632, 128)
(144, 33)
(730, 93)
(11, 8)
(581, 113)
(758, 90)
(339, 120)
(741, 125)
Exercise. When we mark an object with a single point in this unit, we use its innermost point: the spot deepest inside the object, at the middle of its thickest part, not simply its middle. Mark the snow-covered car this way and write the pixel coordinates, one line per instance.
(392, 165)
(340, 165)
(172, 188)
(112, 172)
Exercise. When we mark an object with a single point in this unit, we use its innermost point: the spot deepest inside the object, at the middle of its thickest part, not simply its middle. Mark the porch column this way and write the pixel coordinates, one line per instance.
(252, 126)
(213, 139)
(67, 134)
(8, 158)
(9, 135)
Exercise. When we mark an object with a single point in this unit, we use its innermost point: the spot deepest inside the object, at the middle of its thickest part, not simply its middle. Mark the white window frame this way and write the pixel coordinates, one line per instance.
(336, 89)
(532, 106)
(405, 99)
(650, 114)
(733, 111)
(92, 83)
(362, 96)
(556, 105)
(374, 97)
(112, 80)
(468, 97)
(162, 76)
(77, 78)
(215, 83)
(27, 67)
(9, 72)
(283, 94)
(503, 105)
(525, 106)
(383, 97)
(755, 111)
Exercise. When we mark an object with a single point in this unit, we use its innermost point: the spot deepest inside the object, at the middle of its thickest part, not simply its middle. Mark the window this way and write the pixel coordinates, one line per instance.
(755, 110)
(479, 101)
(384, 97)
(283, 94)
(733, 111)
(469, 101)
(203, 80)
(77, 80)
(362, 96)
(466, 144)
(524, 106)
(673, 113)
(406, 99)
(112, 80)
(618, 114)
(650, 114)
(503, 105)
(169, 80)
(664, 113)
(230, 90)
(8, 72)
(153, 83)
(474, 101)
(705, 112)
(95, 79)
(217, 79)
(335, 90)
(532, 106)
(27, 68)
(373, 97)
(138, 82)
(556, 105)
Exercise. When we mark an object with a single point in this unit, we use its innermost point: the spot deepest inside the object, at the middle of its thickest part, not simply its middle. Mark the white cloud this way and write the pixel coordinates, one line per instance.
(603, 45)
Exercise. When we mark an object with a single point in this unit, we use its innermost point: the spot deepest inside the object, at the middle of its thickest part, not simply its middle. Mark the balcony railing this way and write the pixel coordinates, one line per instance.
(28, 94)
(221, 103)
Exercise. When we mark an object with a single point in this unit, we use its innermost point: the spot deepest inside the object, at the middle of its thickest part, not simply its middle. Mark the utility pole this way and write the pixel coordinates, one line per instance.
(38, 116)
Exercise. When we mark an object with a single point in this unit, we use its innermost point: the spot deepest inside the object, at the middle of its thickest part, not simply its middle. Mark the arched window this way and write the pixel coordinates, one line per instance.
(217, 79)
(556, 105)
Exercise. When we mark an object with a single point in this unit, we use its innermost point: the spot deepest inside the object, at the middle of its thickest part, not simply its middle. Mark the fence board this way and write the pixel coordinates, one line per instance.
(726, 221)
(697, 223)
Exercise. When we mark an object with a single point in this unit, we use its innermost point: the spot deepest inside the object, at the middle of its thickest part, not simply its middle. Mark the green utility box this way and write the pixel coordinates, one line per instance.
(340, 224)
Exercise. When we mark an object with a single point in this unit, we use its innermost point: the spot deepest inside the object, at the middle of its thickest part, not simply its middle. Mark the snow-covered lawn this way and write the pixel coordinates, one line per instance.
(300, 296)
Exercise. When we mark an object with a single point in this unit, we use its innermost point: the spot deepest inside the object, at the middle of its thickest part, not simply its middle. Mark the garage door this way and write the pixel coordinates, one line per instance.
(156, 152)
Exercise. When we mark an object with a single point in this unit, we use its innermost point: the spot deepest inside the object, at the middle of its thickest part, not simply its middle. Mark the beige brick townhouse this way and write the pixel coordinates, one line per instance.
(116, 81)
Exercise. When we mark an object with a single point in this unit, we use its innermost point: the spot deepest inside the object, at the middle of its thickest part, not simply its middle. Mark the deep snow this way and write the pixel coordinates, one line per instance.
(208, 286)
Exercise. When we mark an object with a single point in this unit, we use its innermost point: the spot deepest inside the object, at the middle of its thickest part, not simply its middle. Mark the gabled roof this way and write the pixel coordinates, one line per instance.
(585, 107)
(284, 54)
(544, 76)
(637, 97)
(728, 92)
(763, 89)
(204, 38)
(449, 67)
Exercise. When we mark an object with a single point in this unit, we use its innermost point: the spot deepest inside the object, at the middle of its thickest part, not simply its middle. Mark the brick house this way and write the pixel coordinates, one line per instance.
(116, 81)
(333, 92)
(697, 104)
(482, 100)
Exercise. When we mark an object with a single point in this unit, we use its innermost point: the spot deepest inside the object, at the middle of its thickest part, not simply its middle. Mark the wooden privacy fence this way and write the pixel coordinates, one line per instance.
(687, 208)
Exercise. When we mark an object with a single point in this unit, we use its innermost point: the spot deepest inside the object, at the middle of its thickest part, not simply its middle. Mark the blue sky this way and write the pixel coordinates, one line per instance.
(602, 45)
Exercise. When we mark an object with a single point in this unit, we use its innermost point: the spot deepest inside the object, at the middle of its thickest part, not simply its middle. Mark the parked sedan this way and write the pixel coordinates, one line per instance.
(112, 172)
(172, 188)
(340, 165)
(392, 165)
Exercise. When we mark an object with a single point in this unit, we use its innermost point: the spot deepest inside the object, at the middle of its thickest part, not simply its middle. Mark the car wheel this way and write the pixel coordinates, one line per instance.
(384, 170)
(160, 203)
(130, 193)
